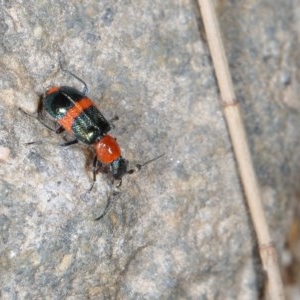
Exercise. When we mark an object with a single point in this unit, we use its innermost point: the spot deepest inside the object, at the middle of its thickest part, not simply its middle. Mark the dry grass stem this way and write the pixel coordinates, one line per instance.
(241, 149)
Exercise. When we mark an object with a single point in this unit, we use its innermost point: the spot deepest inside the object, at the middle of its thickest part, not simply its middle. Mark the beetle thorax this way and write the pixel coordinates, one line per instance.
(107, 149)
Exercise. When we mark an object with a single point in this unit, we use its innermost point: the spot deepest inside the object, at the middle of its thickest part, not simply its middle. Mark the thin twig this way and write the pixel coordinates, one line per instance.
(241, 149)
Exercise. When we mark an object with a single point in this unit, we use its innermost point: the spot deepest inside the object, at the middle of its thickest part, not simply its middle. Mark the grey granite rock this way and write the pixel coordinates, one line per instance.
(180, 228)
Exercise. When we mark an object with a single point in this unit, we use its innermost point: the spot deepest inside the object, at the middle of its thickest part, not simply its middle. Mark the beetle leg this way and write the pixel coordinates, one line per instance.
(95, 169)
(59, 130)
(112, 120)
(68, 143)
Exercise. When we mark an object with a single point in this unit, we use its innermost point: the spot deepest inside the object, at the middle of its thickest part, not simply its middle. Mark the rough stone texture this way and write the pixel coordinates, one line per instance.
(180, 228)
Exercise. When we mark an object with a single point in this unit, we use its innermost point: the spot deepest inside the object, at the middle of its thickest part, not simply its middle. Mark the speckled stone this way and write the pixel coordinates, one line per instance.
(180, 228)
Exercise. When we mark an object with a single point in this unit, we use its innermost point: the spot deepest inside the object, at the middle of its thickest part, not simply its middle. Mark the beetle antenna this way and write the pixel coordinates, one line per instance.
(116, 192)
(139, 166)
(108, 205)
(85, 89)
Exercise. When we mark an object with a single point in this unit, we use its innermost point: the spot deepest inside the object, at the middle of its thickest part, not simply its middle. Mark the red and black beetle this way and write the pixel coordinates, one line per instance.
(77, 114)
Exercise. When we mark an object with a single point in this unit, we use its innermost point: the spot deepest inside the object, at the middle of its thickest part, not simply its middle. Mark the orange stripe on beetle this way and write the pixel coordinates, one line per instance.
(52, 90)
(79, 107)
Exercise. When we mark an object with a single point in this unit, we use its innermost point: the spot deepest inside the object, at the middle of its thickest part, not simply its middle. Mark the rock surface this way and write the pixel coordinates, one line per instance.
(180, 228)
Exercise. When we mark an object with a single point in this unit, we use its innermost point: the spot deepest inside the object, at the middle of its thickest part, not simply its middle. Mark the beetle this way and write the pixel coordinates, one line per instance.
(77, 114)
